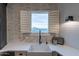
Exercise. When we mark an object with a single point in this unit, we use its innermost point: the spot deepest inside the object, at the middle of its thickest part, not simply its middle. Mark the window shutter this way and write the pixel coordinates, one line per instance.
(54, 21)
(25, 21)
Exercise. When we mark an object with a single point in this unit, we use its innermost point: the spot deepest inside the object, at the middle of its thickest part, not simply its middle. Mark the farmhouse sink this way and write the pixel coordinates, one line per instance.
(39, 48)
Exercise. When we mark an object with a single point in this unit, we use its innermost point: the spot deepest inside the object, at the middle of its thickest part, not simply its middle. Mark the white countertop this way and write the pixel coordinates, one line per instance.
(22, 46)
(65, 50)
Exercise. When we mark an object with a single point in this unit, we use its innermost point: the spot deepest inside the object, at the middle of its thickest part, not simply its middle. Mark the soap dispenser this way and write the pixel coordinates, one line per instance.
(54, 41)
(46, 41)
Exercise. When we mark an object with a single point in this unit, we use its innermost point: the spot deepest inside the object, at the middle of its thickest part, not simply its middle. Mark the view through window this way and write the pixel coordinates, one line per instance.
(39, 20)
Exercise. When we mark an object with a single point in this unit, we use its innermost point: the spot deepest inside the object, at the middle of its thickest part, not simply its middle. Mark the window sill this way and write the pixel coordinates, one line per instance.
(42, 34)
(37, 34)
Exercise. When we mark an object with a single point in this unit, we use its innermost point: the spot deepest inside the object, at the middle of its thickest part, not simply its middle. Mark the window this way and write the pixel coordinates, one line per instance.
(39, 20)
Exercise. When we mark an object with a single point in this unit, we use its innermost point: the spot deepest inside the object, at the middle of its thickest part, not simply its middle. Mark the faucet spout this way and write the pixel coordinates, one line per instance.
(40, 37)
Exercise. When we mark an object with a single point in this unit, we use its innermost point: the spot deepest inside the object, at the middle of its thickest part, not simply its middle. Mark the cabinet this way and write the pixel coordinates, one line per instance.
(3, 38)
(54, 53)
(8, 53)
(14, 53)
(20, 53)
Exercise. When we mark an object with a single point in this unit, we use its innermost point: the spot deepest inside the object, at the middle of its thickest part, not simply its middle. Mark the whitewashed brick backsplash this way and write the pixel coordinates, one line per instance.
(14, 25)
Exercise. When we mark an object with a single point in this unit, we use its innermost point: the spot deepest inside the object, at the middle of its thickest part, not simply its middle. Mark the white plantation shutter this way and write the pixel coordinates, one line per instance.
(25, 21)
(54, 21)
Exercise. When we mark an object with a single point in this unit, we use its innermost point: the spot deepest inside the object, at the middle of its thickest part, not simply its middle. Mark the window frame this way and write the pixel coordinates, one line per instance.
(41, 11)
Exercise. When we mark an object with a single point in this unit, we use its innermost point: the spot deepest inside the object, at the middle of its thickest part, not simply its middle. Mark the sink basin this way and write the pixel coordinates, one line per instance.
(39, 48)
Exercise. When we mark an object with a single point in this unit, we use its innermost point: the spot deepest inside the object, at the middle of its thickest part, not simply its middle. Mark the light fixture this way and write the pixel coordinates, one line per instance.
(70, 18)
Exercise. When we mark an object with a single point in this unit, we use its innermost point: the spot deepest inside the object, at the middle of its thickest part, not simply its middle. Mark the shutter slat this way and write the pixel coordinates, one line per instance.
(54, 21)
(25, 21)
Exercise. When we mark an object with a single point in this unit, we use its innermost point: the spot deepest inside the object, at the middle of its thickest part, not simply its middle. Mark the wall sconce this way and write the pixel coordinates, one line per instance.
(70, 18)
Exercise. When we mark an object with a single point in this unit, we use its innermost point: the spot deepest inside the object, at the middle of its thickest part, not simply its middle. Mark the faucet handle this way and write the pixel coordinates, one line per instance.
(46, 42)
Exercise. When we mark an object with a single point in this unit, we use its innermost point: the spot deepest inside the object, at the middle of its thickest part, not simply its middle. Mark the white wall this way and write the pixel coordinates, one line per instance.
(70, 30)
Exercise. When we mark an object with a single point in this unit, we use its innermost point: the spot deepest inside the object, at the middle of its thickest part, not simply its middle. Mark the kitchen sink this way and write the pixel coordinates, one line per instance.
(39, 48)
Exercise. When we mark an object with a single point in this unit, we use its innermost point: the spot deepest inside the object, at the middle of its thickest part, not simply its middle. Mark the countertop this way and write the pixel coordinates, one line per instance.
(65, 50)
(22, 46)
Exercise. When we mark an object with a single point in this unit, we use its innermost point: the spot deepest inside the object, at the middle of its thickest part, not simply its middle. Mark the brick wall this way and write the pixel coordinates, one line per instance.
(14, 25)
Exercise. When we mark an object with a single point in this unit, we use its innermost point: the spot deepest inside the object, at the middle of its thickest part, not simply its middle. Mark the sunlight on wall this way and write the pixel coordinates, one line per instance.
(70, 24)
(70, 32)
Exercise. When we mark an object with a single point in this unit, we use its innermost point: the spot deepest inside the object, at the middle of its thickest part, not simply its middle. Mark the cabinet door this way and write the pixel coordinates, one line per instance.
(0, 32)
(2, 25)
